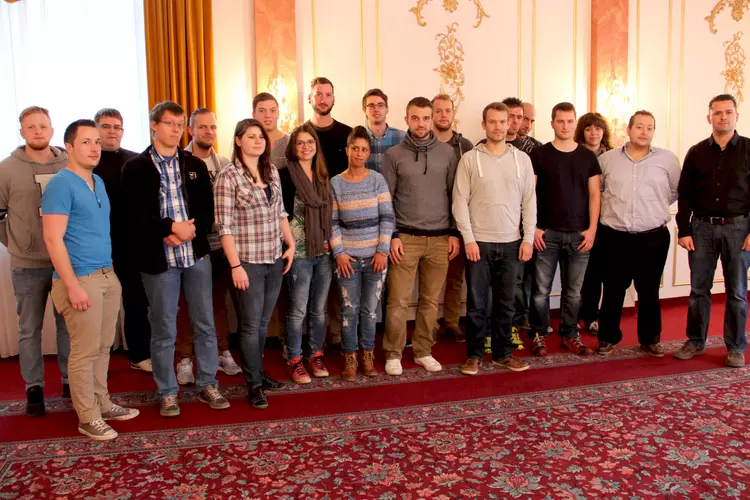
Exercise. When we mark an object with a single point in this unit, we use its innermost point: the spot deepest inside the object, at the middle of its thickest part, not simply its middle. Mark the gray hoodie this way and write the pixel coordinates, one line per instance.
(493, 193)
(21, 184)
(420, 177)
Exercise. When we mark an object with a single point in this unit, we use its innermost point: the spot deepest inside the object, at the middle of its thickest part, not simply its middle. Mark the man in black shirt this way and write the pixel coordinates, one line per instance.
(712, 223)
(135, 303)
(567, 193)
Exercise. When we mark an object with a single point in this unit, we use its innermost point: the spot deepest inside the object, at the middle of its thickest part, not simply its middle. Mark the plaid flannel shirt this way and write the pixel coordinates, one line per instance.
(392, 137)
(243, 211)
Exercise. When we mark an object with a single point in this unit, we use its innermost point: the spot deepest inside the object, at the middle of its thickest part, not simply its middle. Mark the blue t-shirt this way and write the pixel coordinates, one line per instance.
(87, 235)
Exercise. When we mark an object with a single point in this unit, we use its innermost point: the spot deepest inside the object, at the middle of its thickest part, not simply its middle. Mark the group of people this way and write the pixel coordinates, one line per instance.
(327, 205)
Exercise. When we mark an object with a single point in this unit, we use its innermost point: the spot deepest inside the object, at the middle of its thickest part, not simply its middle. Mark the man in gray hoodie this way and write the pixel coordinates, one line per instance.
(23, 177)
(493, 194)
(420, 173)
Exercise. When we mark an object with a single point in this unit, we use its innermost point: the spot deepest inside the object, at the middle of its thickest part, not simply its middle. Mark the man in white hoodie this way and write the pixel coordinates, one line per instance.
(493, 193)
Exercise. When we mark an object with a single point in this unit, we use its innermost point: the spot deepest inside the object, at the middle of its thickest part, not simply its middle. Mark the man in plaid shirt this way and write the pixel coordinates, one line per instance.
(382, 136)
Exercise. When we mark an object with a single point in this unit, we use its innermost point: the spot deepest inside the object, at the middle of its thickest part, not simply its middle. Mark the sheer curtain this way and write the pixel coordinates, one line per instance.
(72, 57)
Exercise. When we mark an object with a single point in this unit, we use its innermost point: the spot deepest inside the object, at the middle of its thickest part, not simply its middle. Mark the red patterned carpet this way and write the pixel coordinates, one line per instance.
(630, 426)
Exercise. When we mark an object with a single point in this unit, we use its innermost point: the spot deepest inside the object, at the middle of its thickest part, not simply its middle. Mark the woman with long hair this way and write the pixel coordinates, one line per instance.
(252, 223)
(308, 202)
(362, 227)
(593, 132)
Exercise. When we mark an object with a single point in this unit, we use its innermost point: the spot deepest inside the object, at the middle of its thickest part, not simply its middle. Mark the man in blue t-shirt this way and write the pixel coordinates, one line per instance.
(85, 289)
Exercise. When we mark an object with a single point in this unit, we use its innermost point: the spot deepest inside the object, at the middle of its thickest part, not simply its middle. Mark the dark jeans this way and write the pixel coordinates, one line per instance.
(713, 242)
(137, 326)
(360, 298)
(496, 270)
(591, 291)
(308, 281)
(256, 306)
(637, 258)
(562, 248)
(524, 290)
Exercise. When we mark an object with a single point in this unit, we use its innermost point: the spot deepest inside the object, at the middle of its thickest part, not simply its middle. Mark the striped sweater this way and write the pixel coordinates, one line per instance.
(362, 216)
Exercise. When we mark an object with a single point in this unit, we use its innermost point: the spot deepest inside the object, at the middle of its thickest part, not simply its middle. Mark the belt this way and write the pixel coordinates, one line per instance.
(654, 230)
(721, 221)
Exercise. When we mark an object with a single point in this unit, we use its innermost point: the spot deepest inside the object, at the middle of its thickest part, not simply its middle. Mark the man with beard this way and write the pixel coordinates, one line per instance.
(266, 111)
(420, 173)
(23, 177)
(137, 326)
(202, 130)
(515, 122)
(382, 136)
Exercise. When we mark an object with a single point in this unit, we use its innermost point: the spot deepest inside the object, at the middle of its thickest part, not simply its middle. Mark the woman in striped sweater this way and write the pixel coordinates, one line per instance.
(361, 240)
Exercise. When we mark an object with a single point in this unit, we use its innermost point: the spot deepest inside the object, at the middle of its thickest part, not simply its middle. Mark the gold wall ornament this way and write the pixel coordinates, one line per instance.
(738, 11)
(450, 6)
(451, 70)
(734, 74)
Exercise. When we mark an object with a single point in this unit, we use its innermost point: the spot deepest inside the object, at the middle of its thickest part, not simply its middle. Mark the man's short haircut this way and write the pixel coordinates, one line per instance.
(263, 96)
(158, 111)
(562, 106)
(30, 111)
(196, 113)
(442, 97)
(419, 102)
(497, 106)
(720, 98)
(321, 80)
(376, 93)
(72, 131)
(513, 102)
(641, 112)
(109, 113)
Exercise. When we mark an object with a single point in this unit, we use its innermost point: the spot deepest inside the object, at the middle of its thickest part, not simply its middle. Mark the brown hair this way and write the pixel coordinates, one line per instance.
(30, 111)
(167, 106)
(441, 97)
(376, 93)
(264, 162)
(320, 170)
(321, 80)
(720, 98)
(263, 96)
(359, 132)
(641, 112)
(497, 106)
(562, 106)
(109, 113)
(593, 120)
(420, 102)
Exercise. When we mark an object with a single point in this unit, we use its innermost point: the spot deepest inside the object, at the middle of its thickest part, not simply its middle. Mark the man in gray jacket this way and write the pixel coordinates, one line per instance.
(23, 177)
(420, 173)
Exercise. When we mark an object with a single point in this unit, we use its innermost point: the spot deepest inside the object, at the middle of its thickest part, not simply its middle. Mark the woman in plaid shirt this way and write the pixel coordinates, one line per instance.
(252, 223)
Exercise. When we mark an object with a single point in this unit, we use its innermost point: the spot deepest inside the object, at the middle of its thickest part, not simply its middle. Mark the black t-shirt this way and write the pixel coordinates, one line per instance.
(333, 143)
(562, 191)
(110, 169)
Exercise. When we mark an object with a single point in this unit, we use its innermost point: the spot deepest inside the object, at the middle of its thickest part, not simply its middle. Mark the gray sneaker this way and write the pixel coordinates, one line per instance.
(119, 413)
(98, 430)
(168, 406)
(735, 359)
(213, 398)
(688, 351)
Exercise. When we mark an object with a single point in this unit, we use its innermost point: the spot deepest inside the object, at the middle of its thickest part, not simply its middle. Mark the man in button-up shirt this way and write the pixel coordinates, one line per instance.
(712, 220)
(383, 136)
(639, 183)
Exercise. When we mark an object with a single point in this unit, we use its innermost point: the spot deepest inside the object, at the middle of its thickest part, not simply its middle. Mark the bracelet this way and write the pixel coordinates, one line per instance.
(235, 267)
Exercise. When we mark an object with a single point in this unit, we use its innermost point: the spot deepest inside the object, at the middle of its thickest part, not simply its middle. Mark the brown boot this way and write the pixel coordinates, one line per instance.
(350, 367)
(368, 364)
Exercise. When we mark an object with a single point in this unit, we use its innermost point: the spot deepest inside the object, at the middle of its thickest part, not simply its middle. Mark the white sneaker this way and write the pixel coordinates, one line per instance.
(185, 372)
(393, 367)
(227, 364)
(430, 364)
(144, 365)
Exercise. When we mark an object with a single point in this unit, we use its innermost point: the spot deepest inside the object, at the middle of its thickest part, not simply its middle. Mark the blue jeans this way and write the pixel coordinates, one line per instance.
(713, 242)
(496, 273)
(308, 281)
(256, 306)
(360, 299)
(32, 286)
(163, 291)
(562, 248)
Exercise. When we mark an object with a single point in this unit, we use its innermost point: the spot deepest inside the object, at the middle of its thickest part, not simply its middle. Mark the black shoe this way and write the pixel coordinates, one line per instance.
(258, 398)
(408, 343)
(35, 401)
(65, 392)
(270, 384)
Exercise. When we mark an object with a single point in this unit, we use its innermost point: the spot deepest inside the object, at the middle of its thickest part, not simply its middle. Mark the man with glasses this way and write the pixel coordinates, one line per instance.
(171, 211)
(382, 136)
(137, 326)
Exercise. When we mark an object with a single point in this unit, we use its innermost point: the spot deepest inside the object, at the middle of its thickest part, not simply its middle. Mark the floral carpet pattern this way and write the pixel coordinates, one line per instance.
(674, 436)
(236, 391)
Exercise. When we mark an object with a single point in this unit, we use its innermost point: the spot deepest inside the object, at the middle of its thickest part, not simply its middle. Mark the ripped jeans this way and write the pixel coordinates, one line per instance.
(360, 295)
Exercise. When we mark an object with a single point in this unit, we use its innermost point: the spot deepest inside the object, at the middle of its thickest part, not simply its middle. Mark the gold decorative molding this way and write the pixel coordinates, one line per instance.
(738, 11)
(734, 74)
(450, 6)
(451, 70)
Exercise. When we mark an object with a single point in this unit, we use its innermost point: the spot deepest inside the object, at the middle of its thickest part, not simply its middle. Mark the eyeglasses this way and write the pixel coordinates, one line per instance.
(302, 144)
(372, 105)
(107, 126)
(178, 126)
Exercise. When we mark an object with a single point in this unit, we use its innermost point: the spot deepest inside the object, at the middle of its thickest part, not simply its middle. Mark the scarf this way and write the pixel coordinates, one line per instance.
(318, 215)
